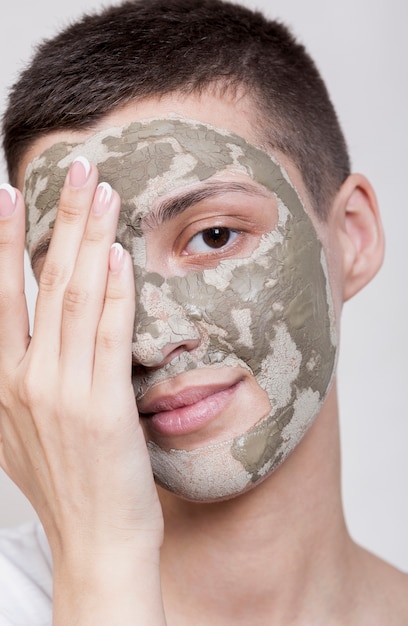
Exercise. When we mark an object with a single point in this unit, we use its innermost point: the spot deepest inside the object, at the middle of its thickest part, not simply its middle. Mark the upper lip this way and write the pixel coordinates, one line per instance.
(155, 402)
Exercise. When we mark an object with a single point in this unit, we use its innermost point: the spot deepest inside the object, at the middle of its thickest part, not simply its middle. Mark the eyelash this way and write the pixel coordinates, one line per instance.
(222, 234)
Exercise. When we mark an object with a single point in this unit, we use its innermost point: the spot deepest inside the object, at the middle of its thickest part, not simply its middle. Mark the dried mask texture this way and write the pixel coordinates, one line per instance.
(270, 314)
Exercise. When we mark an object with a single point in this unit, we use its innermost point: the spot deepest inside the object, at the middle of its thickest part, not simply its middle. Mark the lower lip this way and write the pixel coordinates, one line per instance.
(191, 418)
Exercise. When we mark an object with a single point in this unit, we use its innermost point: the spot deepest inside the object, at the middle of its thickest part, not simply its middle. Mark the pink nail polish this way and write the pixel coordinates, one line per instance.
(102, 198)
(79, 171)
(116, 257)
(8, 197)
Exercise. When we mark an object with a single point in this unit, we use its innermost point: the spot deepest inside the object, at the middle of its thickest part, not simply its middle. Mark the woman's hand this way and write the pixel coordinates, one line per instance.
(70, 437)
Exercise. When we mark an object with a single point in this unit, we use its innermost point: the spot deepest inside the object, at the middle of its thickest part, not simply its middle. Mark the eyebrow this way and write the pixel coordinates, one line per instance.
(168, 209)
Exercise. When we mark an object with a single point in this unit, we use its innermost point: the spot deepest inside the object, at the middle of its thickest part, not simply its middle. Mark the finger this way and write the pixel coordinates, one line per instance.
(73, 209)
(85, 293)
(14, 326)
(113, 351)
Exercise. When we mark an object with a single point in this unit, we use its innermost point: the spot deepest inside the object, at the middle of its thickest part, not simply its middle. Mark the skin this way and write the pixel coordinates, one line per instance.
(220, 563)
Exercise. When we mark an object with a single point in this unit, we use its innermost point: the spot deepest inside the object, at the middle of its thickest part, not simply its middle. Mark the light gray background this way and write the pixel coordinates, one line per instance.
(361, 48)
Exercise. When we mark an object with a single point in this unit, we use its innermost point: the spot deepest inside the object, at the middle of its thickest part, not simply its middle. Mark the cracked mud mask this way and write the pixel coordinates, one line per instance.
(252, 335)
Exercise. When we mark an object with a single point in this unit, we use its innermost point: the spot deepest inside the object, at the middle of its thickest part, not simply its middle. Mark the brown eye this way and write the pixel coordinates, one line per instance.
(210, 239)
(216, 237)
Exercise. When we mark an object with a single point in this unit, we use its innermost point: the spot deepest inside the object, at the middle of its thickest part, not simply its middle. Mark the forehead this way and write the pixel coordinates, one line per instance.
(148, 159)
(235, 111)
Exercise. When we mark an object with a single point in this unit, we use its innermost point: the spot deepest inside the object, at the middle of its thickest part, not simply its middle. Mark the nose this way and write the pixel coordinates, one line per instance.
(162, 327)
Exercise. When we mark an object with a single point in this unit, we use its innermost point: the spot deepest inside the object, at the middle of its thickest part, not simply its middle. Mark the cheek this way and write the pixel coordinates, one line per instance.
(274, 311)
(335, 272)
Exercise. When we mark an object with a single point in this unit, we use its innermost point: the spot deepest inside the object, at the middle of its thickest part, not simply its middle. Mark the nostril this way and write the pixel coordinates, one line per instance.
(145, 359)
(164, 327)
(170, 353)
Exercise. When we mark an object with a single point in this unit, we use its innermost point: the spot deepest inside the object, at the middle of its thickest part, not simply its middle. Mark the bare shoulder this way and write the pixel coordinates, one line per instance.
(384, 592)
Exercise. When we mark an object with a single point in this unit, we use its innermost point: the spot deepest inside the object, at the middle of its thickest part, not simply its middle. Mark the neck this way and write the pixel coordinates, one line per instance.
(261, 558)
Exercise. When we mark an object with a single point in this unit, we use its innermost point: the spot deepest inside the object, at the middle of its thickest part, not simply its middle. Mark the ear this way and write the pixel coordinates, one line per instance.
(360, 231)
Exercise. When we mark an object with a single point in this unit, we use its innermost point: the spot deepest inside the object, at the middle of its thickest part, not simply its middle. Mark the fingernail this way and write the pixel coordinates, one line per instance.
(8, 197)
(102, 198)
(79, 171)
(116, 258)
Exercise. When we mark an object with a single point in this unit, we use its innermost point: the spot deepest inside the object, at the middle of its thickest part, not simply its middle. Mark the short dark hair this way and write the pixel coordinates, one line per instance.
(145, 48)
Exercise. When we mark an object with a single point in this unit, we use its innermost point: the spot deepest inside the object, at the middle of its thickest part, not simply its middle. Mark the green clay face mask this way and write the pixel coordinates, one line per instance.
(268, 315)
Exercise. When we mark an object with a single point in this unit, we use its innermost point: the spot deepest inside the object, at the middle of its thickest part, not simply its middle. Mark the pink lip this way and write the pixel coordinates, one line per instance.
(188, 411)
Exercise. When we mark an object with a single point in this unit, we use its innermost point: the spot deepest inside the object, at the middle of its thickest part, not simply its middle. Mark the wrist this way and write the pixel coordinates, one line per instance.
(115, 586)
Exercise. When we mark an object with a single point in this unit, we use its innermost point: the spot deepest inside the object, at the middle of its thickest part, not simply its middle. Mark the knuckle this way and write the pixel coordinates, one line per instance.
(75, 298)
(93, 236)
(51, 278)
(115, 294)
(69, 212)
(30, 390)
(109, 340)
(7, 241)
